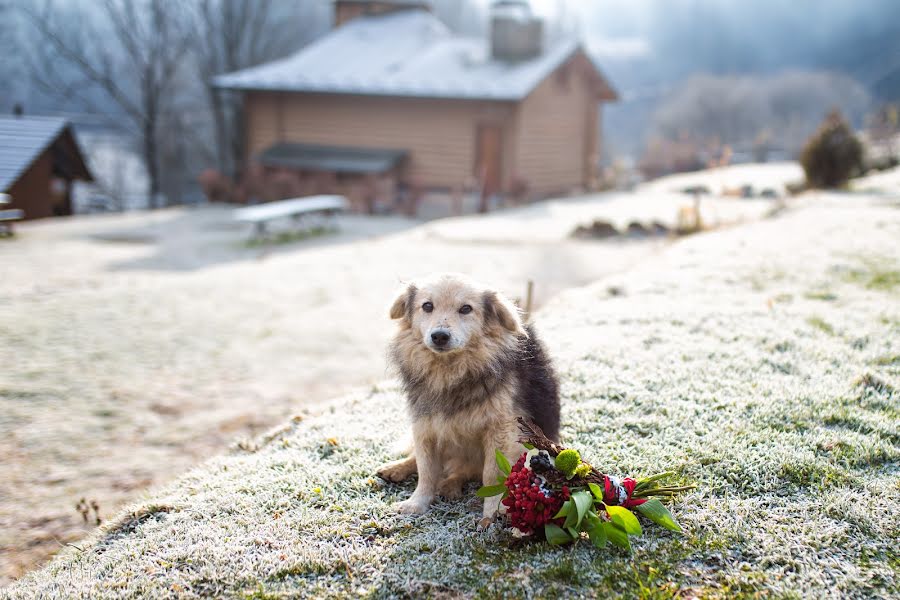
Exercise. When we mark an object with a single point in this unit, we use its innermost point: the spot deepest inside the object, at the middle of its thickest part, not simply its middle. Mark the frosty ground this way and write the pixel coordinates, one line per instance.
(760, 362)
(135, 346)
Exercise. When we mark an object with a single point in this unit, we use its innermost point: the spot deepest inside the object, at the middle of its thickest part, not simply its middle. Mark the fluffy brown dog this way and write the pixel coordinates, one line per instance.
(469, 368)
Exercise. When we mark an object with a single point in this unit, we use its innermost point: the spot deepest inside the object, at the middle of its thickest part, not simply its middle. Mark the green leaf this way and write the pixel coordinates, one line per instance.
(573, 532)
(643, 483)
(556, 535)
(528, 446)
(564, 510)
(597, 491)
(572, 517)
(597, 534)
(583, 502)
(625, 519)
(502, 463)
(616, 535)
(490, 490)
(659, 514)
(501, 479)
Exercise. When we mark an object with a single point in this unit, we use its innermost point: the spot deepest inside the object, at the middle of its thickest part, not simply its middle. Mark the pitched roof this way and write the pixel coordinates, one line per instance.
(406, 53)
(22, 140)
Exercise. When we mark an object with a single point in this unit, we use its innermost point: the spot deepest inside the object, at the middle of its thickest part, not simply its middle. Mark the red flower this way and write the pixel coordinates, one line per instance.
(528, 505)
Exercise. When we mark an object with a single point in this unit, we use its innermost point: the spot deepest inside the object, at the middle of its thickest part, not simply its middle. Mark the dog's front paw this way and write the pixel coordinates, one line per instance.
(395, 472)
(412, 507)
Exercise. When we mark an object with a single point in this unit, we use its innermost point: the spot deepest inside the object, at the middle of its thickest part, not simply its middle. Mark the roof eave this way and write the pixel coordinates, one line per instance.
(607, 93)
(377, 94)
(87, 176)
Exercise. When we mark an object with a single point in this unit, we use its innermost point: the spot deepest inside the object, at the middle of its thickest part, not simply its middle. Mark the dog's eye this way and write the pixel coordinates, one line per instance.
(465, 309)
(428, 307)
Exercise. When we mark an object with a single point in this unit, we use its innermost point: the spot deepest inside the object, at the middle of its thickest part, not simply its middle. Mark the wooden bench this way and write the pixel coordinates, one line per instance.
(9, 215)
(295, 208)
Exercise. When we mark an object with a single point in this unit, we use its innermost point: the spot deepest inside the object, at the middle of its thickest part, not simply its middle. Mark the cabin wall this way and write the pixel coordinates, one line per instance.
(33, 191)
(440, 135)
(556, 145)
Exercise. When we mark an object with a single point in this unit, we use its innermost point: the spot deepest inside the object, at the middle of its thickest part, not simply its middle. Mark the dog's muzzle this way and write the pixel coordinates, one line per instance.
(440, 340)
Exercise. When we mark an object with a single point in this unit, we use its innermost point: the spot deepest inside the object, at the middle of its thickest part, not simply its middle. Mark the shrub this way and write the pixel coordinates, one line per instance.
(216, 187)
(833, 154)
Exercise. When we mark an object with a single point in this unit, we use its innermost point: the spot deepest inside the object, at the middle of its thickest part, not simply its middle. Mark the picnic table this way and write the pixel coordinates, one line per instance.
(295, 208)
(9, 215)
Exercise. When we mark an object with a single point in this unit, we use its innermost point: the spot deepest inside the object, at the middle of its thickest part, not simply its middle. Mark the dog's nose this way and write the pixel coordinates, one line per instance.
(440, 338)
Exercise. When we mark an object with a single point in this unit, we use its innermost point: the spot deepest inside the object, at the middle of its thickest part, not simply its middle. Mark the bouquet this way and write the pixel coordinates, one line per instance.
(551, 491)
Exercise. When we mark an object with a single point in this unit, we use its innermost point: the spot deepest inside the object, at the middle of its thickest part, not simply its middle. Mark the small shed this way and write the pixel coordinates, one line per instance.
(39, 160)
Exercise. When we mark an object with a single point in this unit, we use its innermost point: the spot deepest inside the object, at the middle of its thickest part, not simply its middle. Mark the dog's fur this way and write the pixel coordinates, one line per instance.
(464, 396)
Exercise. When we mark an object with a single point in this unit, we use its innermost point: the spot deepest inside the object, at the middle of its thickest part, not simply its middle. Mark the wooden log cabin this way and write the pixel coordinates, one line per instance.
(391, 97)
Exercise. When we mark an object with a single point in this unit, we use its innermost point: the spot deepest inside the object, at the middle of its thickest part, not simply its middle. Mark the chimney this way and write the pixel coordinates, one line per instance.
(345, 10)
(516, 34)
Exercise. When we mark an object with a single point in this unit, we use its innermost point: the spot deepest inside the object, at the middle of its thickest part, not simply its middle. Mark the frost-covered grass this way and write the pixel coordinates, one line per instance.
(135, 346)
(759, 363)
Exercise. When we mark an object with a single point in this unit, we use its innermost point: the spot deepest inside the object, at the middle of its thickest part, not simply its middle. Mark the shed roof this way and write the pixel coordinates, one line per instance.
(23, 140)
(339, 159)
(407, 53)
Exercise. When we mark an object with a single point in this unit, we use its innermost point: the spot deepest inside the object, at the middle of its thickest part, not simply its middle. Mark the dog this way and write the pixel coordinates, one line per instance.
(469, 367)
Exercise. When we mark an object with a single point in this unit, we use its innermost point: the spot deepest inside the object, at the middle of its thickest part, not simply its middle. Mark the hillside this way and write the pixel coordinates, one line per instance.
(760, 362)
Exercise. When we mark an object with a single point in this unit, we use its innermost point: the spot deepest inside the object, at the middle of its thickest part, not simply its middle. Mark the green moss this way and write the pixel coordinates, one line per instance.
(784, 346)
(648, 584)
(310, 568)
(814, 474)
(873, 383)
(260, 593)
(820, 324)
(564, 570)
(876, 274)
(820, 295)
(888, 360)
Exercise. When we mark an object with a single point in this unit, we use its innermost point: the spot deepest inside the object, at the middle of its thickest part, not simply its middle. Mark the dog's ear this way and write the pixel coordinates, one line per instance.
(405, 296)
(500, 310)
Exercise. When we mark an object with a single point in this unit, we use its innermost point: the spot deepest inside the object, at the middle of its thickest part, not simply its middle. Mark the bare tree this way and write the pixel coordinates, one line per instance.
(11, 68)
(236, 34)
(124, 52)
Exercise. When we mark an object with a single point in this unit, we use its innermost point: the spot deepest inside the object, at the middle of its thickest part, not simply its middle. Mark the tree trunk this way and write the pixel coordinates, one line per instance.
(220, 123)
(237, 140)
(151, 162)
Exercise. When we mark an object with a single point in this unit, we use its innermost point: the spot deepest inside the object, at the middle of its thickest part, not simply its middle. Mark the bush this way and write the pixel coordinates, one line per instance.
(216, 187)
(833, 154)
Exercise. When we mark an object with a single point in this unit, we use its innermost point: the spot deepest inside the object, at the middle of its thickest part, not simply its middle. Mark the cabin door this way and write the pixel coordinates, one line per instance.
(488, 162)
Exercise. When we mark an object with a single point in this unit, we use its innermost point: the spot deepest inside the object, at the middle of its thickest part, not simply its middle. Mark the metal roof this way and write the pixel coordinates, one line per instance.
(406, 53)
(339, 159)
(22, 140)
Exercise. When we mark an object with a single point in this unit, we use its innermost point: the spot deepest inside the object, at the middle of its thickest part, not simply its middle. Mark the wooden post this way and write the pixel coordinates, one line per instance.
(529, 298)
